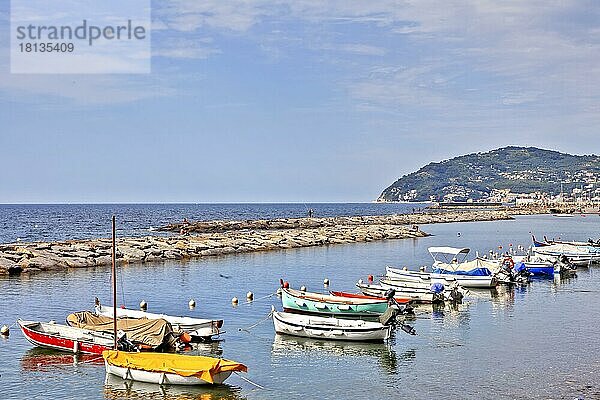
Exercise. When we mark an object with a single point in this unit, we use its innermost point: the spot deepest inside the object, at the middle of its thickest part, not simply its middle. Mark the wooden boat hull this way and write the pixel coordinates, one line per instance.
(469, 281)
(329, 328)
(416, 295)
(65, 338)
(418, 277)
(312, 303)
(202, 329)
(161, 378)
(399, 300)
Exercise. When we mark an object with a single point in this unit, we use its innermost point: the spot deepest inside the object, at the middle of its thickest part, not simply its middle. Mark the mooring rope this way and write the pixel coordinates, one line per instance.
(268, 316)
(248, 380)
(259, 299)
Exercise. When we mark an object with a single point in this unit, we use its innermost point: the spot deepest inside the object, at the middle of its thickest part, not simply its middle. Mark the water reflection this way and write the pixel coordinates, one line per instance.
(284, 345)
(117, 388)
(209, 349)
(45, 360)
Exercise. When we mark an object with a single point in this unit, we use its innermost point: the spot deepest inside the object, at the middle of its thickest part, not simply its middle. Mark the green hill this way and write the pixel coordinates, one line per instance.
(475, 176)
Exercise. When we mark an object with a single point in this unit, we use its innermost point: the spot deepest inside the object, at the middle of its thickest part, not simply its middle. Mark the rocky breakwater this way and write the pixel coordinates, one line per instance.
(215, 238)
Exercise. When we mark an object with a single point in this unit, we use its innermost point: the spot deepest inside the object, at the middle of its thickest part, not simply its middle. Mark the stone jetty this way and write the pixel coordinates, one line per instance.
(215, 238)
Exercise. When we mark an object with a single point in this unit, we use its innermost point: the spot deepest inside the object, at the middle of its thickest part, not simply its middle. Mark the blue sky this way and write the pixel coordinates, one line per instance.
(302, 101)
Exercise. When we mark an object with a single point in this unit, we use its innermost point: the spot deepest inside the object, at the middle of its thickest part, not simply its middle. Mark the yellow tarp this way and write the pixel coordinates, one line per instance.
(202, 367)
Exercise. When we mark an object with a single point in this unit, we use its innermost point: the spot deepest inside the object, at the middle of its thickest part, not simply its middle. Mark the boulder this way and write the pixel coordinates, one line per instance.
(173, 255)
(77, 262)
(9, 267)
(103, 260)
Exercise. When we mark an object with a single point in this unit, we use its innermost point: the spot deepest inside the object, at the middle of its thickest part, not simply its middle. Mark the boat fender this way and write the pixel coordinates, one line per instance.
(185, 337)
(249, 296)
(75, 346)
(234, 301)
(143, 305)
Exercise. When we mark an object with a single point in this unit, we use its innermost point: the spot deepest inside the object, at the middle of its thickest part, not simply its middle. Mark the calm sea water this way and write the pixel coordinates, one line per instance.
(535, 342)
(80, 221)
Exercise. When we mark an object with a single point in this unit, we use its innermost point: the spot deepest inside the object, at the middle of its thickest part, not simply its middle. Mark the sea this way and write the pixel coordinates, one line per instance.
(538, 341)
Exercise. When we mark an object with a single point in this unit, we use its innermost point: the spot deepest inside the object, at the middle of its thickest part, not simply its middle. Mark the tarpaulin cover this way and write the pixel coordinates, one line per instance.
(437, 287)
(202, 367)
(151, 332)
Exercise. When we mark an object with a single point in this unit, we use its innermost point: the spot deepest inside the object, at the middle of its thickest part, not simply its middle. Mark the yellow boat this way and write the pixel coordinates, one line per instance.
(169, 369)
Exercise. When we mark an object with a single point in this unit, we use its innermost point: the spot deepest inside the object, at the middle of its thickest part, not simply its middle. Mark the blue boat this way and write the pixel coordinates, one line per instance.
(537, 269)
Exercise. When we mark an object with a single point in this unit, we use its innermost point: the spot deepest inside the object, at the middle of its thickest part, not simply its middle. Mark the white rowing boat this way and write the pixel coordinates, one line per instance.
(329, 328)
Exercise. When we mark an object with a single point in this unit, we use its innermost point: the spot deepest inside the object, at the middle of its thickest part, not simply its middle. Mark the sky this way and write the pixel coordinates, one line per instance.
(302, 101)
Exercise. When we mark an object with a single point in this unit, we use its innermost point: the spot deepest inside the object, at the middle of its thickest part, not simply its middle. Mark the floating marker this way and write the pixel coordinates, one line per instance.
(143, 305)
(303, 288)
(192, 303)
(370, 278)
(4, 331)
(286, 285)
(249, 296)
(234, 301)
(325, 281)
(405, 268)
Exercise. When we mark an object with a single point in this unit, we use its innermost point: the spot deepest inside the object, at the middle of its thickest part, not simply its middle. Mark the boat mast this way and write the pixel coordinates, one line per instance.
(114, 282)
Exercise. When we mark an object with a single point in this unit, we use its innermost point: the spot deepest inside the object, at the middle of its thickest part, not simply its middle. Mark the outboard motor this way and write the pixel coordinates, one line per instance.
(125, 344)
(392, 303)
(438, 292)
(389, 316)
(520, 274)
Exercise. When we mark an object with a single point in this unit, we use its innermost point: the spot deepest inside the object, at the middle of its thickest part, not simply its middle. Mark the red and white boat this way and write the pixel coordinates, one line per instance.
(65, 338)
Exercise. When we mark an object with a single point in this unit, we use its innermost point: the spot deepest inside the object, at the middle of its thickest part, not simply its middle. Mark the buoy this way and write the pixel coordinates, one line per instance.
(303, 288)
(234, 301)
(192, 303)
(143, 305)
(422, 269)
(4, 331)
(279, 291)
(370, 277)
(286, 285)
(458, 234)
(325, 281)
(404, 268)
(249, 296)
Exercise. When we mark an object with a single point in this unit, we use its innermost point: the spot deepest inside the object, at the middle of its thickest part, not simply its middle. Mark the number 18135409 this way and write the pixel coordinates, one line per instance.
(46, 47)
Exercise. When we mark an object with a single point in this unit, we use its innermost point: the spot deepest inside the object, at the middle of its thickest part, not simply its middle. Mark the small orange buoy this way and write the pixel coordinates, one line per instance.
(370, 277)
(286, 285)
